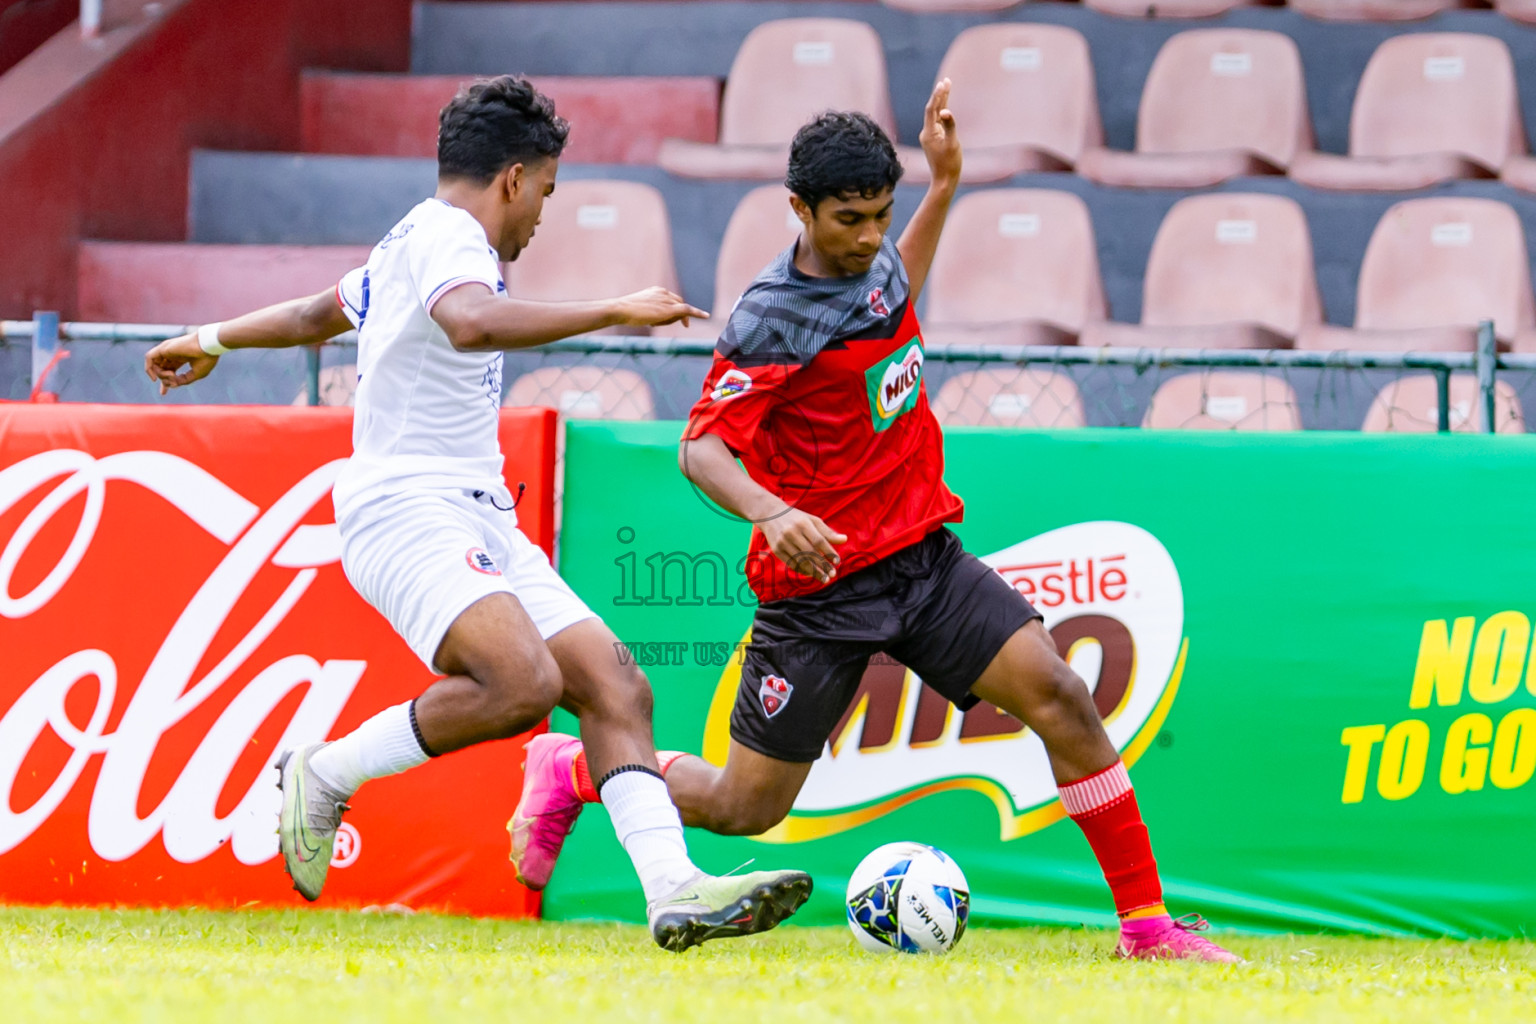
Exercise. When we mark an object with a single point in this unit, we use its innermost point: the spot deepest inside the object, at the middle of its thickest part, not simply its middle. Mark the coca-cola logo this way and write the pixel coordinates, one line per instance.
(172, 686)
(1112, 600)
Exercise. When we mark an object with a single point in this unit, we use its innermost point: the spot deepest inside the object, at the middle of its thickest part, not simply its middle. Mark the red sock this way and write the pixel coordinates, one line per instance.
(587, 790)
(1104, 807)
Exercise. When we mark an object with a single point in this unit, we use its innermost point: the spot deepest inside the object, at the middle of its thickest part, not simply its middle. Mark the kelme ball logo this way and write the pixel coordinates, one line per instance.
(893, 384)
(1113, 603)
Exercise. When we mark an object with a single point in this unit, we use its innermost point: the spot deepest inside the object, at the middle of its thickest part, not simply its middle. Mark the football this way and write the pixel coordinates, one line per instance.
(910, 898)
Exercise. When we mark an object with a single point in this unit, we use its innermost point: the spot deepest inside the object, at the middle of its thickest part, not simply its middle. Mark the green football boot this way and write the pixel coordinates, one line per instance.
(306, 831)
(721, 908)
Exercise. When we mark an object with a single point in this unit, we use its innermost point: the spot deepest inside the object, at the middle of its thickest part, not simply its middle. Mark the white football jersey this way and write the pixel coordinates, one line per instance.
(426, 414)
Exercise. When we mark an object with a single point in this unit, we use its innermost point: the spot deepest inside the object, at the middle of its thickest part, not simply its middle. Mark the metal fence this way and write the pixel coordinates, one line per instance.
(653, 377)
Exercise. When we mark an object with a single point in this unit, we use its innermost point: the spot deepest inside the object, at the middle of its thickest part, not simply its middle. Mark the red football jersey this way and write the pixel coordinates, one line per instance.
(845, 434)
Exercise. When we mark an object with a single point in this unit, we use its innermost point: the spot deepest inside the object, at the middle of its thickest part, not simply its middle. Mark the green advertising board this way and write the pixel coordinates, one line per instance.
(1311, 649)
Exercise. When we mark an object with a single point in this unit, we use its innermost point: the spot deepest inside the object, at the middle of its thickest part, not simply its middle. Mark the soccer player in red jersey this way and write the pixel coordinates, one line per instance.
(817, 390)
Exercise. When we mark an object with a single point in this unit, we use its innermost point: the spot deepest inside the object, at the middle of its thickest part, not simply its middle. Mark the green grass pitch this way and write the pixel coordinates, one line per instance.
(331, 967)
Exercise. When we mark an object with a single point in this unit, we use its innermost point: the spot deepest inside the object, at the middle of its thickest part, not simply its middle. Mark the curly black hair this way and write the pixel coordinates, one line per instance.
(495, 123)
(841, 154)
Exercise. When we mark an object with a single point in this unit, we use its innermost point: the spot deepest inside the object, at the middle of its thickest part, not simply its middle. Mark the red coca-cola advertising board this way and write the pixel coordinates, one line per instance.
(173, 613)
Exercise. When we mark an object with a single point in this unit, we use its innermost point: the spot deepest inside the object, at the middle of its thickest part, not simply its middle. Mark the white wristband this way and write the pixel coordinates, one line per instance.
(208, 339)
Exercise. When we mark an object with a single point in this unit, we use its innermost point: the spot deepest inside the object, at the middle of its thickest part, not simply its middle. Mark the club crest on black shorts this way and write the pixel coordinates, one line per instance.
(774, 692)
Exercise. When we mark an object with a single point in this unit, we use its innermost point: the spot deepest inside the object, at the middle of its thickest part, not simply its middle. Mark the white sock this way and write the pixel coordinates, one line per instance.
(386, 744)
(650, 831)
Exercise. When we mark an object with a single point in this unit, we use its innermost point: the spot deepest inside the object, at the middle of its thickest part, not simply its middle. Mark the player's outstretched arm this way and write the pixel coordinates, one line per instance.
(477, 320)
(307, 321)
(942, 148)
(799, 540)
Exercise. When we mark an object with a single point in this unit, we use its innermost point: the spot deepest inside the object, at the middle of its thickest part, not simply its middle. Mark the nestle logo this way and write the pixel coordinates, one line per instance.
(1074, 581)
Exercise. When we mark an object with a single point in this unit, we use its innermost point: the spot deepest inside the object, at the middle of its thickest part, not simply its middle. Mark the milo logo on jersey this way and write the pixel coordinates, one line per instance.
(893, 383)
(1112, 600)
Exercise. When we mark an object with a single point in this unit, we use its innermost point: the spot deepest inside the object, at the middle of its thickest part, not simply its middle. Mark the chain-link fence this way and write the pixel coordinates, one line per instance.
(660, 378)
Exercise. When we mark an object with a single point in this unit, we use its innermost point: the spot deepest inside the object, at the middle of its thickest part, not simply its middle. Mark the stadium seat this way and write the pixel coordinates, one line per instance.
(785, 73)
(1174, 8)
(1519, 10)
(1013, 396)
(1024, 96)
(1014, 266)
(181, 283)
(585, 392)
(338, 386)
(948, 6)
(1227, 270)
(598, 239)
(1411, 405)
(1379, 10)
(761, 227)
(1431, 107)
(1224, 400)
(1433, 270)
(1218, 103)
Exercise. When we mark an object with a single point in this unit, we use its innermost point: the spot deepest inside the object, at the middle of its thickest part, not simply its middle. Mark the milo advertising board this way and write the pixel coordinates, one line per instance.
(1312, 651)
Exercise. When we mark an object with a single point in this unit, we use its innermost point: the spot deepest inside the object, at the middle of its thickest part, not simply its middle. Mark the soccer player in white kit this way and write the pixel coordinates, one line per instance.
(428, 534)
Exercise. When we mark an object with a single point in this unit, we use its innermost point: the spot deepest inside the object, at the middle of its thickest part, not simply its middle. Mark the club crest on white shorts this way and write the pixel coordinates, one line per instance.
(481, 562)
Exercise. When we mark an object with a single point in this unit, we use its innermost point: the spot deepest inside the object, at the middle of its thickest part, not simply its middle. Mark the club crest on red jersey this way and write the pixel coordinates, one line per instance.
(877, 304)
(774, 692)
(731, 384)
(481, 562)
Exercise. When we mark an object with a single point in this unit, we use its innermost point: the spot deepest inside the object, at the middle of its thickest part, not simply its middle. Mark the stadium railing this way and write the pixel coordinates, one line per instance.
(43, 359)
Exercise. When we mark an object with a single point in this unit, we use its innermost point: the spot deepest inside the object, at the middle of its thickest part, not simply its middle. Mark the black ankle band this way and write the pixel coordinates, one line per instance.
(416, 731)
(625, 768)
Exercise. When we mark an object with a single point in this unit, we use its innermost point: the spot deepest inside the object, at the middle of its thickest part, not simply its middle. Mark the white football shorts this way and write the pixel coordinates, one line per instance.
(423, 557)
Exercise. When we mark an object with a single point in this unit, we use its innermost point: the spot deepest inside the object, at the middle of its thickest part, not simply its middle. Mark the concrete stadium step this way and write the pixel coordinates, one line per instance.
(181, 283)
(700, 37)
(319, 200)
(618, 120)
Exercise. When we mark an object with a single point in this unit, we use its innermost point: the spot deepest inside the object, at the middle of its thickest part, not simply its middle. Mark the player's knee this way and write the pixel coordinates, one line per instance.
(630, 695)
(1064, 696)
(517, 705)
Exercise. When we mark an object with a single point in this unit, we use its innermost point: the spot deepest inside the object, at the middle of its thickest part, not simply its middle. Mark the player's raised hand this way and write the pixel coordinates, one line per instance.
(941, 145)
(804, 543)
(177, 362)
(655, 307)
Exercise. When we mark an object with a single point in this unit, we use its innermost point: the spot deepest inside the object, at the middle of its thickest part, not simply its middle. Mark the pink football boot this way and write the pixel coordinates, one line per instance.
(1163, 938)
(548, 809)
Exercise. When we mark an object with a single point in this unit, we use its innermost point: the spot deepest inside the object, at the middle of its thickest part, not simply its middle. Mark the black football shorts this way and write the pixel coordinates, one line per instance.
(933, 606)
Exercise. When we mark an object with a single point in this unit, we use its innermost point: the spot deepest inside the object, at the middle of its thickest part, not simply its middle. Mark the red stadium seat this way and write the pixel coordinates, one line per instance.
(1431, 107)
(1411, 405)
(1433, 270)
(1014, 266)
(1174, 8)
(762, 226)
(1379, 10)
(182, 283)
(585, 392)
(1024, 98)
(1218, 104)
(1519, 10)
(598, 239)
(1013, 396)
(945, 6)
(338, 386)
(1224, 400)
(785, 73)
(1227, 270)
